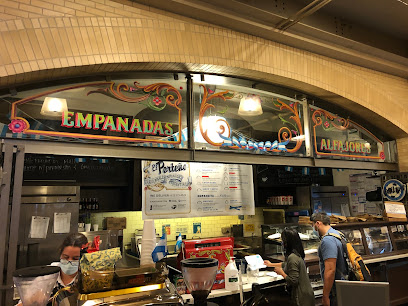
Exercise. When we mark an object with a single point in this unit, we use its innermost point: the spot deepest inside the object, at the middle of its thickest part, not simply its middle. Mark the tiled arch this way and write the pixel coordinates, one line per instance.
(48, 39)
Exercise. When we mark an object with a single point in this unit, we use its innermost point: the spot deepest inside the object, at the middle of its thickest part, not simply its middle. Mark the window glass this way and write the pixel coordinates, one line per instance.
(378, 240)
(240, 119)
(147, 112)
(341, 138)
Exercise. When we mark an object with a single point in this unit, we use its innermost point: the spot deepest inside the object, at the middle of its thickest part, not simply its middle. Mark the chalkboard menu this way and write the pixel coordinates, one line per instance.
(106, 171)
(275, 176)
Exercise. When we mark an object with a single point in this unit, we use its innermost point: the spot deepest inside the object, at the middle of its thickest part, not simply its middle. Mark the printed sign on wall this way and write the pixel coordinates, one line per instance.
(182, 189)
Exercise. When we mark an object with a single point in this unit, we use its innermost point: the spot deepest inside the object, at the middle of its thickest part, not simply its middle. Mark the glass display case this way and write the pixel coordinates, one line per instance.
(378, 240)
(400, 234)
(356, 239)
(272, 243)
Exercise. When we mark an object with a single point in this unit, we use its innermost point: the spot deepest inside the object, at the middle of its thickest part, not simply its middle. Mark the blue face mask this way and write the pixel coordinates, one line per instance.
(68, 268)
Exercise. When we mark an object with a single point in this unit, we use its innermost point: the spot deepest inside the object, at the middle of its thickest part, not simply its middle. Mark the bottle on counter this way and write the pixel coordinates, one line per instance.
(231, 276)
(95, 204)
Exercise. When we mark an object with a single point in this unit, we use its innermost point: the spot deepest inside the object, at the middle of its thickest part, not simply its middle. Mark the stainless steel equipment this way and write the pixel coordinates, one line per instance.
(330, 199)
(45, 201)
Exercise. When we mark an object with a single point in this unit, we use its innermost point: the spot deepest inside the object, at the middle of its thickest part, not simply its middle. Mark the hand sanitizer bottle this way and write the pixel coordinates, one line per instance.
(231, 276)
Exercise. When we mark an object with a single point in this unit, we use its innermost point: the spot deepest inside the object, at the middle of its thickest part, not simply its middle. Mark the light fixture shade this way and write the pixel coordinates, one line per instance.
(53, 106)
(250, 106)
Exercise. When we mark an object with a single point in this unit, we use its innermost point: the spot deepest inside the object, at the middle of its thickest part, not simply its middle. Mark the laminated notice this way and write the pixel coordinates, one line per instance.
(39, 227)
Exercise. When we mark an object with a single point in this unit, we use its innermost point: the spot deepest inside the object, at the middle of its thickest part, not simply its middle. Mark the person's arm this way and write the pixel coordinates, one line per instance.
(274, 265)
(329, 274)
(328, 249)
(292, 272)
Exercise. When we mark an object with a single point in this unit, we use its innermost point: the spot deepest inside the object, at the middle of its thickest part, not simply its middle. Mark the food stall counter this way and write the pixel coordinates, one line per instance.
(265, 277)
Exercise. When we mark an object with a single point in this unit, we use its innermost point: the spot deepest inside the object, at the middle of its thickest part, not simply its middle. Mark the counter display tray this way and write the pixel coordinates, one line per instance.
(111, 293)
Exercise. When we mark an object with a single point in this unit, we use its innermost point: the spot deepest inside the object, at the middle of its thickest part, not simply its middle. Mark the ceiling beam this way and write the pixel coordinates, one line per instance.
(248, 19)
(303, 13)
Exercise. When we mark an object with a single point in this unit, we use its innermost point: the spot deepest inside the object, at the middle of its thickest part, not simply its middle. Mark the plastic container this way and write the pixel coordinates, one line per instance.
(231, 276)
(148, 243)
(35, 284)
(252, 274)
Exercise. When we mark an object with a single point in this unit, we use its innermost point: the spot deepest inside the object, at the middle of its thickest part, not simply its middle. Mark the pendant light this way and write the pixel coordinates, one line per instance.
(250, 106)
(53, 106)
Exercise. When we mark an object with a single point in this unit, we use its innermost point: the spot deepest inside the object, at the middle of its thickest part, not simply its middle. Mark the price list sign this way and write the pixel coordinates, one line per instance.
(180, 189)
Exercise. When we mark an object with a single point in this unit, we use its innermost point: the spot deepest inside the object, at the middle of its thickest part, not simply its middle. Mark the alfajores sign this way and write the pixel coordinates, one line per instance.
(339, 137)
(335, 145)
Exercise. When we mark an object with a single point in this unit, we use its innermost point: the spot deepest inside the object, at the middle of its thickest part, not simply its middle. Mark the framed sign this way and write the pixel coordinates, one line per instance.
(334, 136)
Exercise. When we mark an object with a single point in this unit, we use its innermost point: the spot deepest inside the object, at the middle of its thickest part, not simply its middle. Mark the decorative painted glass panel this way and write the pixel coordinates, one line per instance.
(337, 137)
(146, 112)
(239, 119)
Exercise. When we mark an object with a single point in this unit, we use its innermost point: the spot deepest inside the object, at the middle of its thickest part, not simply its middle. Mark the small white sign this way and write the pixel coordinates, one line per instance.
(384, 230)
(255, 261)
(62, 223)
(39, 227)
(395, 208)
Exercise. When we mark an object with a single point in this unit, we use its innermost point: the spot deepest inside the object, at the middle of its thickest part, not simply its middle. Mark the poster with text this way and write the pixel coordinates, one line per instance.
(183, 189)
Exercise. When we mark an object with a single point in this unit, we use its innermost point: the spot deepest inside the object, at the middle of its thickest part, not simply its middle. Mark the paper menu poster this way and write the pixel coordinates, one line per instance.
(183, 189)
(62, 223)
(39, 227)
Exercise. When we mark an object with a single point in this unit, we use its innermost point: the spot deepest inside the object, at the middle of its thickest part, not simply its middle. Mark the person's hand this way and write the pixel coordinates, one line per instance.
(268, 263)
(325, 301)
(273, 265)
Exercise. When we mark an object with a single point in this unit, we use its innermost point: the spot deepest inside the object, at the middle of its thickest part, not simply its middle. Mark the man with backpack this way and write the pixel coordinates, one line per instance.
(331, 257)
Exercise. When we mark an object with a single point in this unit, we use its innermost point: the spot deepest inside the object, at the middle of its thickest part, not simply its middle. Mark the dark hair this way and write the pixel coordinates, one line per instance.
(75, 240)
(292, 243)
(320, 216)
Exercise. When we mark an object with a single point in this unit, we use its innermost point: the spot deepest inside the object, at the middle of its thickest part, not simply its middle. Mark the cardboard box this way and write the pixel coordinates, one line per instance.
(337, 219)
(395, 219)
(113, 223)
(305, 220)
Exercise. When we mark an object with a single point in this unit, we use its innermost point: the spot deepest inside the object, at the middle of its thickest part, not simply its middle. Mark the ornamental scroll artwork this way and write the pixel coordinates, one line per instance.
(287, 132)
(331, 138)
(156, 97)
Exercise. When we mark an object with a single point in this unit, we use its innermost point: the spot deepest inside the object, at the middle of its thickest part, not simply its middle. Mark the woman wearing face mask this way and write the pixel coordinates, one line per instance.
(293, 269)
(70, 253)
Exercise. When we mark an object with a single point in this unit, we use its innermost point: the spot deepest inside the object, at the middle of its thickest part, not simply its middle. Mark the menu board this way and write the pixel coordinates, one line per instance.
(183, 189)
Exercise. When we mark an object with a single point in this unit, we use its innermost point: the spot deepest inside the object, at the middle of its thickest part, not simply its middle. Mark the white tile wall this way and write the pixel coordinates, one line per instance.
(210, 226)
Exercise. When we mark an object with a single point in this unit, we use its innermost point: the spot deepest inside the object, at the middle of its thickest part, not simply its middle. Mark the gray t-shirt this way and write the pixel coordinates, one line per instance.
(331, 247)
